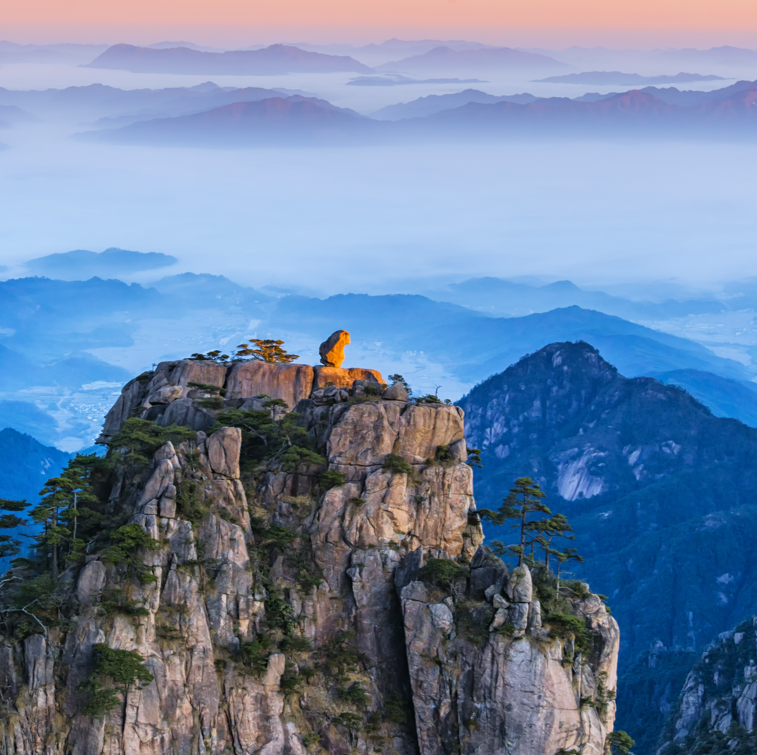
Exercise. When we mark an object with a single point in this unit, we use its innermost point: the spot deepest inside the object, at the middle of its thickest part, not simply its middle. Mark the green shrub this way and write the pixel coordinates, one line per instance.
(295, 644)
(473, 622)
(114, 602)
(277, 536)
(296, 455)
(189, 502)
(349, 720)
(429, 398)
(312, 739)
(397, 710)
(123, 668)
(254, 655)
(308, 673)
(290, 682)
(279, 614)
(620, 741)
(355, 694)
(147, 578)
(397, 464)
(441, 572)
(139, 439)
(341, 655)
(126, 541)
(563, 626)
(306, 572)
(357, 501)
(443, 454)
(330, 479)
(215, 403)
(207, 388)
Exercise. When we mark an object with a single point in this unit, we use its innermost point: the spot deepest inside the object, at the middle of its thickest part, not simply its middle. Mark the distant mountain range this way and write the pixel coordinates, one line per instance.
(63, 334)
(276, 59)
(62, 54)
(374, 54)
(10, 115)
(686, 99)
(273, 121)
(394, 80)
(446, 59)
(504, 298)
(608, 78)
(435, 103)
(101, 101)
(660, 494)
(82, 264)
(631, 114)
(727, 113)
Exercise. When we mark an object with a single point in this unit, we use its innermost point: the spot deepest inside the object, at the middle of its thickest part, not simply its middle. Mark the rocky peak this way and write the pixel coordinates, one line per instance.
(309, 582)
(717, 709)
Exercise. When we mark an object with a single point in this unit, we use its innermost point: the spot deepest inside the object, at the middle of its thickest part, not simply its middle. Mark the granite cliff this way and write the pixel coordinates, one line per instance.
(283, 583)
(650, 481)
(717, 709)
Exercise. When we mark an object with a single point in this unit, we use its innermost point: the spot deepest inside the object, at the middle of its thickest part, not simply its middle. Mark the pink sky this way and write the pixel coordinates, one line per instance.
(520, 22)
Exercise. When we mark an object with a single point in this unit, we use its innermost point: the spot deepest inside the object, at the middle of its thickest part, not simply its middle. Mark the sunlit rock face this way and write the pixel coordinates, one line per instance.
(289, 612)
(331, 350)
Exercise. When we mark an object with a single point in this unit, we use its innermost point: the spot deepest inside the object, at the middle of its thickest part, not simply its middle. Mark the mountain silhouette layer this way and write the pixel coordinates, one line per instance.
(276, 59)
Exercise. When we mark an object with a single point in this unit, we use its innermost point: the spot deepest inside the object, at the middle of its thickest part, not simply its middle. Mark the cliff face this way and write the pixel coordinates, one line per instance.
(293, 603)
(717, 709)
(650, 480)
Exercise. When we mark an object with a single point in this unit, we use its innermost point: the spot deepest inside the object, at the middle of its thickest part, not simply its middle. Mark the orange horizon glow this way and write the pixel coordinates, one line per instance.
(579, 22)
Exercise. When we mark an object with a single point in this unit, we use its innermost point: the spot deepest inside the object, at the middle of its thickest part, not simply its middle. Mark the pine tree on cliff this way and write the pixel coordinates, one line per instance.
(266, 350)
(10, 546)
(64, 501)
(524, 499)
(546, 530)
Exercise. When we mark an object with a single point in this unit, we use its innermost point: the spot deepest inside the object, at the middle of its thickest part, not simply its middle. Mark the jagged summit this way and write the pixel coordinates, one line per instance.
(288, 583)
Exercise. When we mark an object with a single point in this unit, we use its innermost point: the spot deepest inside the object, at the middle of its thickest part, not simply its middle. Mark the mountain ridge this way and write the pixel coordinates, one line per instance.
(275, 59)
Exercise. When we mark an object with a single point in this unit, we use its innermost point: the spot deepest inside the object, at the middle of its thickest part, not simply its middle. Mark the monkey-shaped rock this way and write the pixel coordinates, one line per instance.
(332, 349)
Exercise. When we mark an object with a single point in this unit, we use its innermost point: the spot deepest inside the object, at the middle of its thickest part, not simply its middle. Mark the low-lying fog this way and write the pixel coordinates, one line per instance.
(362, 218)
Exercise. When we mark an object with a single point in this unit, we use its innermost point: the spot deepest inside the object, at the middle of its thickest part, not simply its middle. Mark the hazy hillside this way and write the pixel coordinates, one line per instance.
(435, 103)
(447, 60)
(276, 59)
(726, 398)
(609, 78)
(98, 101)
(296, 120)
(112, 263)
(27, 465)
(273, 121)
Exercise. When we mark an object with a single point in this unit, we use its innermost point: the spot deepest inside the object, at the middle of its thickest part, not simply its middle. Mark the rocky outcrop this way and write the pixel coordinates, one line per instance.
(331, 350)
(488, 677)
(192, 392)
(717, 709)
(286, 606)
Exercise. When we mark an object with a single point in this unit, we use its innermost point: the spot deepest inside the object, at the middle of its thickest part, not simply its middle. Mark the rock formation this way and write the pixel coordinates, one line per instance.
(332, 349)
(717, 709)
(311, 583)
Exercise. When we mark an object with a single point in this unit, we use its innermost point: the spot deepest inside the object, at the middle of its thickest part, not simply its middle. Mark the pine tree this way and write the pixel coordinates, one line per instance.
(547, 530)
(9, 545)
(266, 350)
(621, 742)
(65, 500)
(523, 500)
